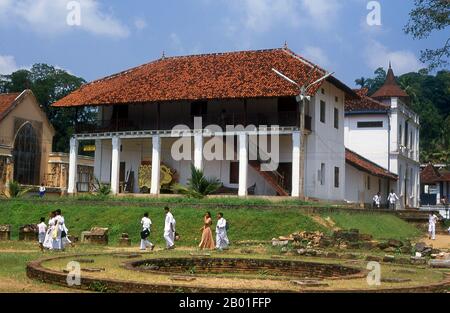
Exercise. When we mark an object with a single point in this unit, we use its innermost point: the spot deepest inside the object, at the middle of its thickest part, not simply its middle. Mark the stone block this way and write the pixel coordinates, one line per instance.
(5, 232)
(28, 232)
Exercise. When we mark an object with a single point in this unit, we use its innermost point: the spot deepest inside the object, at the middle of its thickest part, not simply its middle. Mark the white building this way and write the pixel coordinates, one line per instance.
(364, 179)
(383, 129)
(138, 108)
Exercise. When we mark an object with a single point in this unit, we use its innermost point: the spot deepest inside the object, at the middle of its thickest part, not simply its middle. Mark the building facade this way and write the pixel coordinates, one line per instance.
(384, 129)
(434, 184)
(250, 119)
(25, 140)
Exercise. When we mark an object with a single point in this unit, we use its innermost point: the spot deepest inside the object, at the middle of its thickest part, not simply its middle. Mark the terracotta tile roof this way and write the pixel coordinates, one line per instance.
(246, 74)
(6, 102)
(431, 175)
(390, 88)
(361, 163)
(364, 103)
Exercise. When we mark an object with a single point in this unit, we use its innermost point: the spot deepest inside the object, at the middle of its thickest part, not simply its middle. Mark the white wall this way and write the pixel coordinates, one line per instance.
(326, 145)
(371, 143)
(357, 189)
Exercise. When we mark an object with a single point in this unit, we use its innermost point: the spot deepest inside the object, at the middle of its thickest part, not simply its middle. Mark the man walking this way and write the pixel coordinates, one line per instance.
(222, 241)
(392, 200)
(377, 201)
(169, 229)
(432, 220)
(145, 233)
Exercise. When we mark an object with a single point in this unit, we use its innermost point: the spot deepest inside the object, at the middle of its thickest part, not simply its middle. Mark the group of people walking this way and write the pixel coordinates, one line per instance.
(170, 235)
(391, 200)
(53, 236)
(207, 241)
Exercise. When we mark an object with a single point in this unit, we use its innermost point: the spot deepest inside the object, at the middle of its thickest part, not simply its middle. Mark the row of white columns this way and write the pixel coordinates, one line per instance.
(198, 163)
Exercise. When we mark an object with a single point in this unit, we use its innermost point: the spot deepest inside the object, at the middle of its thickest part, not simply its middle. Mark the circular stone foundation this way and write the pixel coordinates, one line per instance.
(226, 266)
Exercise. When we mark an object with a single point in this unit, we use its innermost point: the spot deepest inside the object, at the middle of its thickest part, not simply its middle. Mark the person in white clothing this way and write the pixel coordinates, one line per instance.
(392, 199)
(48, 241)
(42, 191)
(145, 233)
(377, 201)
(42, 228)
(58, 231)
(64, 231)
(222, 241)
(432, 220)
(169, 229)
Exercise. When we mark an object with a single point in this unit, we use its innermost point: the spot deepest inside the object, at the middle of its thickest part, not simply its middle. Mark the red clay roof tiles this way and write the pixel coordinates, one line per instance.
(390, 88)
(246, 74)
(6, 101)
(361, 163)
(364, 103)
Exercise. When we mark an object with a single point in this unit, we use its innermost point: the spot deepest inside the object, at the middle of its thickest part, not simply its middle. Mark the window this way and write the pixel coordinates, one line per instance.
(336, 118)
(234, 173)
(322, 174)
(379, 185)
(336, 99)
(336, 177)
(323, 91)
(322, 111)
(27, 156)
(400, 135)
(368, 182)
(376, 124)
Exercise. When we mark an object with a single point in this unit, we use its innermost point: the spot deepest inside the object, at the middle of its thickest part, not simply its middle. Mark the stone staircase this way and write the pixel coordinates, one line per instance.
(420, 219)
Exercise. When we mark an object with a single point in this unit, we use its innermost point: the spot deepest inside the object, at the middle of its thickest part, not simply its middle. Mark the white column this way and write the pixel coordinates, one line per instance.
(156, 163)
(243, 164)
(198, 150)
(72, 188)
(115, 165)
(296, 156)
(98, 160)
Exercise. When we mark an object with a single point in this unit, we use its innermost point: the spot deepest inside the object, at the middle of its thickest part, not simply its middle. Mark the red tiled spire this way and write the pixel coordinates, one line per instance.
(390, 88)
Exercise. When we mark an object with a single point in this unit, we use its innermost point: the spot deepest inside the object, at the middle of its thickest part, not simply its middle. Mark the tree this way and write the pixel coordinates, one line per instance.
(373, 84)
(427, 17)
(50, 84)
(198, 185)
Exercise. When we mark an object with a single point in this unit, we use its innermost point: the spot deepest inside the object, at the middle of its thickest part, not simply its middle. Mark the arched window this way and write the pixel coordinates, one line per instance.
(27, 156)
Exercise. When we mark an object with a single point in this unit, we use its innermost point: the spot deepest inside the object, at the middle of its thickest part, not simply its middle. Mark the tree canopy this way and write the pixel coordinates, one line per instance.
(50, 84)
(427, 17)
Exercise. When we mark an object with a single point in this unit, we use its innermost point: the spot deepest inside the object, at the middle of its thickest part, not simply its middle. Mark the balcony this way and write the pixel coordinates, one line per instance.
(282, 119)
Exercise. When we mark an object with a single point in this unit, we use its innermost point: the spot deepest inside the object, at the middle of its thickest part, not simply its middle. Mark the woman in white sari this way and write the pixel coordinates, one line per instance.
(48, 241)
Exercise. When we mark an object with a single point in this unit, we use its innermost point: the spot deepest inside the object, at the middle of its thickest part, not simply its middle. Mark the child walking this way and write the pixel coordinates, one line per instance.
(145, 233)
(42, 227)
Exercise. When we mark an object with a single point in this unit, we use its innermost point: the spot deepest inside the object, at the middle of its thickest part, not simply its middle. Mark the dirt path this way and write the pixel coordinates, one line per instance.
(8, 285)
(441, 242)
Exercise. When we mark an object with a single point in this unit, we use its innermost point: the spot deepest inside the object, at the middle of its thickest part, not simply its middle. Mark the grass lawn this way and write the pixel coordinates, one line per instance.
(381, 226)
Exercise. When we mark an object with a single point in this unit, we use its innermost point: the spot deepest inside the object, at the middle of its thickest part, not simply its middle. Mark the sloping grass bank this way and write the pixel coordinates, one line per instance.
(380, 226)
(245, 223)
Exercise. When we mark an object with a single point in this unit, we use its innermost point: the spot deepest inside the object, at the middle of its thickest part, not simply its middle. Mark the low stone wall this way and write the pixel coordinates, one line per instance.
(36, 271)
(295, 269)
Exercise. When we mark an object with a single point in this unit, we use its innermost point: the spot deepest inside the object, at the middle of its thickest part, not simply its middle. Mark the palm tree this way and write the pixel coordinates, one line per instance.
(198, 185)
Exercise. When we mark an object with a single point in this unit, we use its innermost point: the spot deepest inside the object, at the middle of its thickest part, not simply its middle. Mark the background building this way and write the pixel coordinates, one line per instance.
(26, 137)
(383, 129)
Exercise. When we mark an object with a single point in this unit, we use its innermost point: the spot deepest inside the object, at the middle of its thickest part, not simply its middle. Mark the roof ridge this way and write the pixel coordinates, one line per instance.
(178, 57)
